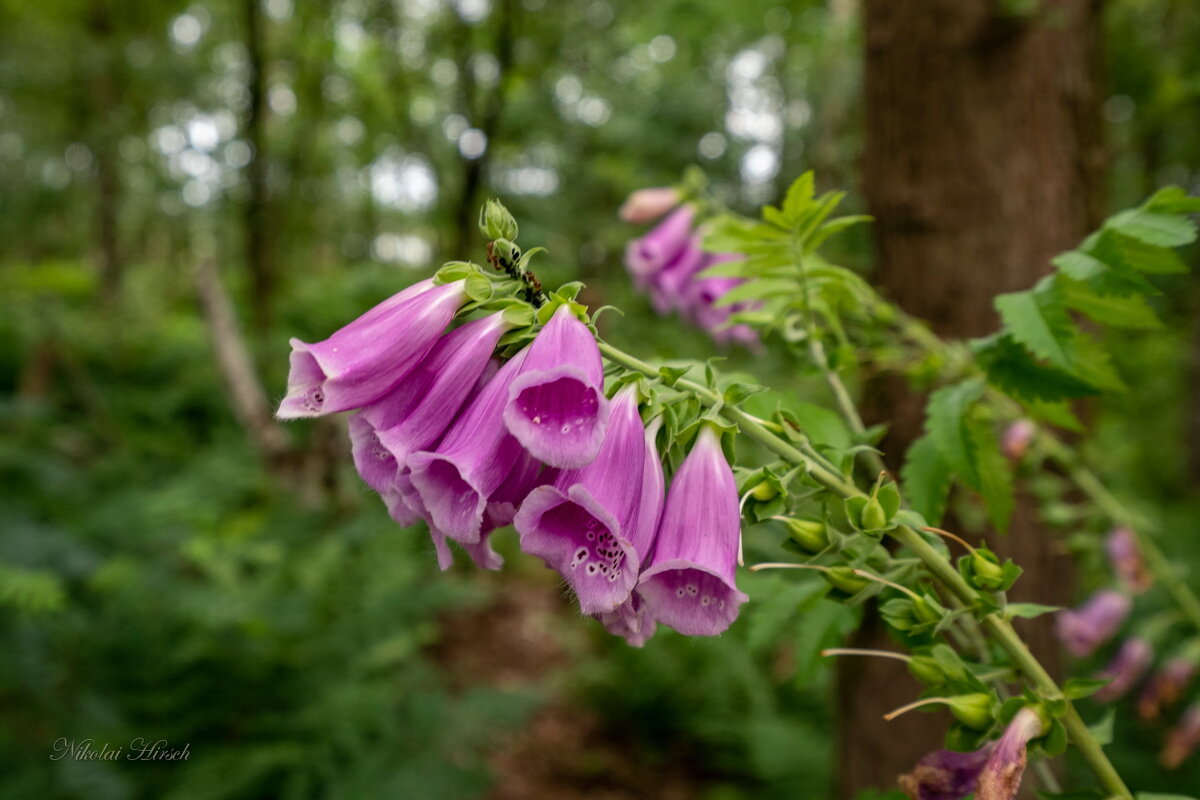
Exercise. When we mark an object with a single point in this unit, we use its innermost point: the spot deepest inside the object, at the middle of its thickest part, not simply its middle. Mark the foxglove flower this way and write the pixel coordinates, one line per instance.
(360, 362)
(1183, 739)
(556, 406)
(993, 772)
(946, 774)
(668, 286)
(702, 308)
(581, 524)
(414, 415)
(1126, 559)
(1126, 669)
(632, 619)
(689, 584)
(455, 479)
(647, 205)
(1166, 687)
(1083, 629)
(646, 257)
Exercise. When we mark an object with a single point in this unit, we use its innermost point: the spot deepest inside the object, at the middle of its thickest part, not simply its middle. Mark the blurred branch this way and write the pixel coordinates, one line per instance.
(256, 227)
(246, 394)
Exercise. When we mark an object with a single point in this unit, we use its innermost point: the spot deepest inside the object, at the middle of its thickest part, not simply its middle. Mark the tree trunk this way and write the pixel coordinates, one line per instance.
(982, 160)
(104, 89)
(256, 222)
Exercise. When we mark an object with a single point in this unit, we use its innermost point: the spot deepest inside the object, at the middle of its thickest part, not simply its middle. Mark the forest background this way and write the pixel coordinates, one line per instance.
(183, 187)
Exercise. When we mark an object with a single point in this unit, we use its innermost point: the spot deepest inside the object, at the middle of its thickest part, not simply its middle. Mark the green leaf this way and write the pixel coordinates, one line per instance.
(1102, 730)
(1148, 258)
(1158, 796)
(1028, 610)
(757, 290)
(823, 427)
(1055, 412)
(1011, 368)
(1039, 320)
(799, 195)
(1078, 688)
(1151, 227)
(1173, 200)
(995, 475)
(926, 477)
(946, 422)
(1119, 312)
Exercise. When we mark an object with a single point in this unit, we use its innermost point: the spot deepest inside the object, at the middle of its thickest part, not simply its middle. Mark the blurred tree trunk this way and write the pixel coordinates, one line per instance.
(982, 160)
(256, 210)
(488, 111)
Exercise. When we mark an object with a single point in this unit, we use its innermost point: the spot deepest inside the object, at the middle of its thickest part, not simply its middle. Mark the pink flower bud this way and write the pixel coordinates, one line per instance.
(1126, 559)
(647, 205)
(1016, 439)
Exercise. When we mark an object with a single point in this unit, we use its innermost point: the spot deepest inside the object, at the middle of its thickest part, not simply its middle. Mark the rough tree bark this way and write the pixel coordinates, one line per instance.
(982, 160)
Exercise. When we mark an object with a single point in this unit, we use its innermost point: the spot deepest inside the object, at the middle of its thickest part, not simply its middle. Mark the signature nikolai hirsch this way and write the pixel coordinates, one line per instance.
(137, 750)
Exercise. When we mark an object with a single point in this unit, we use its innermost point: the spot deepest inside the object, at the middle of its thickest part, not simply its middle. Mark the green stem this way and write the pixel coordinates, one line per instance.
(1000, 629)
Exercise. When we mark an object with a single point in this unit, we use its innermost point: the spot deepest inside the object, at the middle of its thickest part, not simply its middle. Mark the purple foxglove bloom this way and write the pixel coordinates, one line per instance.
(580, 525)
(1083, 629)
(646, 257)
(993, 772)
(455, 479)
(946, 774)
(647, 205)
(1183, 739)
(416, 412)
(1166, 687)
(360, 362)
(689, 584)
(556, 406)
(1126, 559)
(632, 619)
(668, 287)
(1126, 669)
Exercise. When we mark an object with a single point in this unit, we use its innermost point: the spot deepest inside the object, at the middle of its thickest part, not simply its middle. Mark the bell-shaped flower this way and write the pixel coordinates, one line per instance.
(1183, 739)
(668, 287)
(647, 256)
(690, 582)
(1126, 669)
(1085, 628)
(993, 772)
(556, 406)
(702, 309)
(456, 478)
(1016, 439)
(1125, 557)
(359, 363)
(647, 205)
(632, 619)
(414, 414)
(581, 523)
(1166, 687)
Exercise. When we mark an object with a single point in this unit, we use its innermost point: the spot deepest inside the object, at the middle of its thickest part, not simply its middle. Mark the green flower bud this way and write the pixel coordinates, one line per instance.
(973, 710)
(763, 491)
(873, 516)
(843, 578)
(928, 610)
(988, 574)
(808, 533)
(926, 670)
(495, 221)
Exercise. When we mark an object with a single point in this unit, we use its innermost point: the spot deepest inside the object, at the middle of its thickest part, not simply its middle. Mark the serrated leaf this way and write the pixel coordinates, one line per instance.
(1055, 413)
(1119, 312)
(1012, 369)
(823, 427)
(1148, 258)
(1152, 227)
(1039, 321)
(995, 476)
(946, 422)
(1028, 610)
(800, 194)
(1173, 200)
(926, 477)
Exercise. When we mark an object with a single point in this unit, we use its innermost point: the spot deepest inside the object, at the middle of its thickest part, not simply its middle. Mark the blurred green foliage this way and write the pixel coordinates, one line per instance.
(159, 580)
